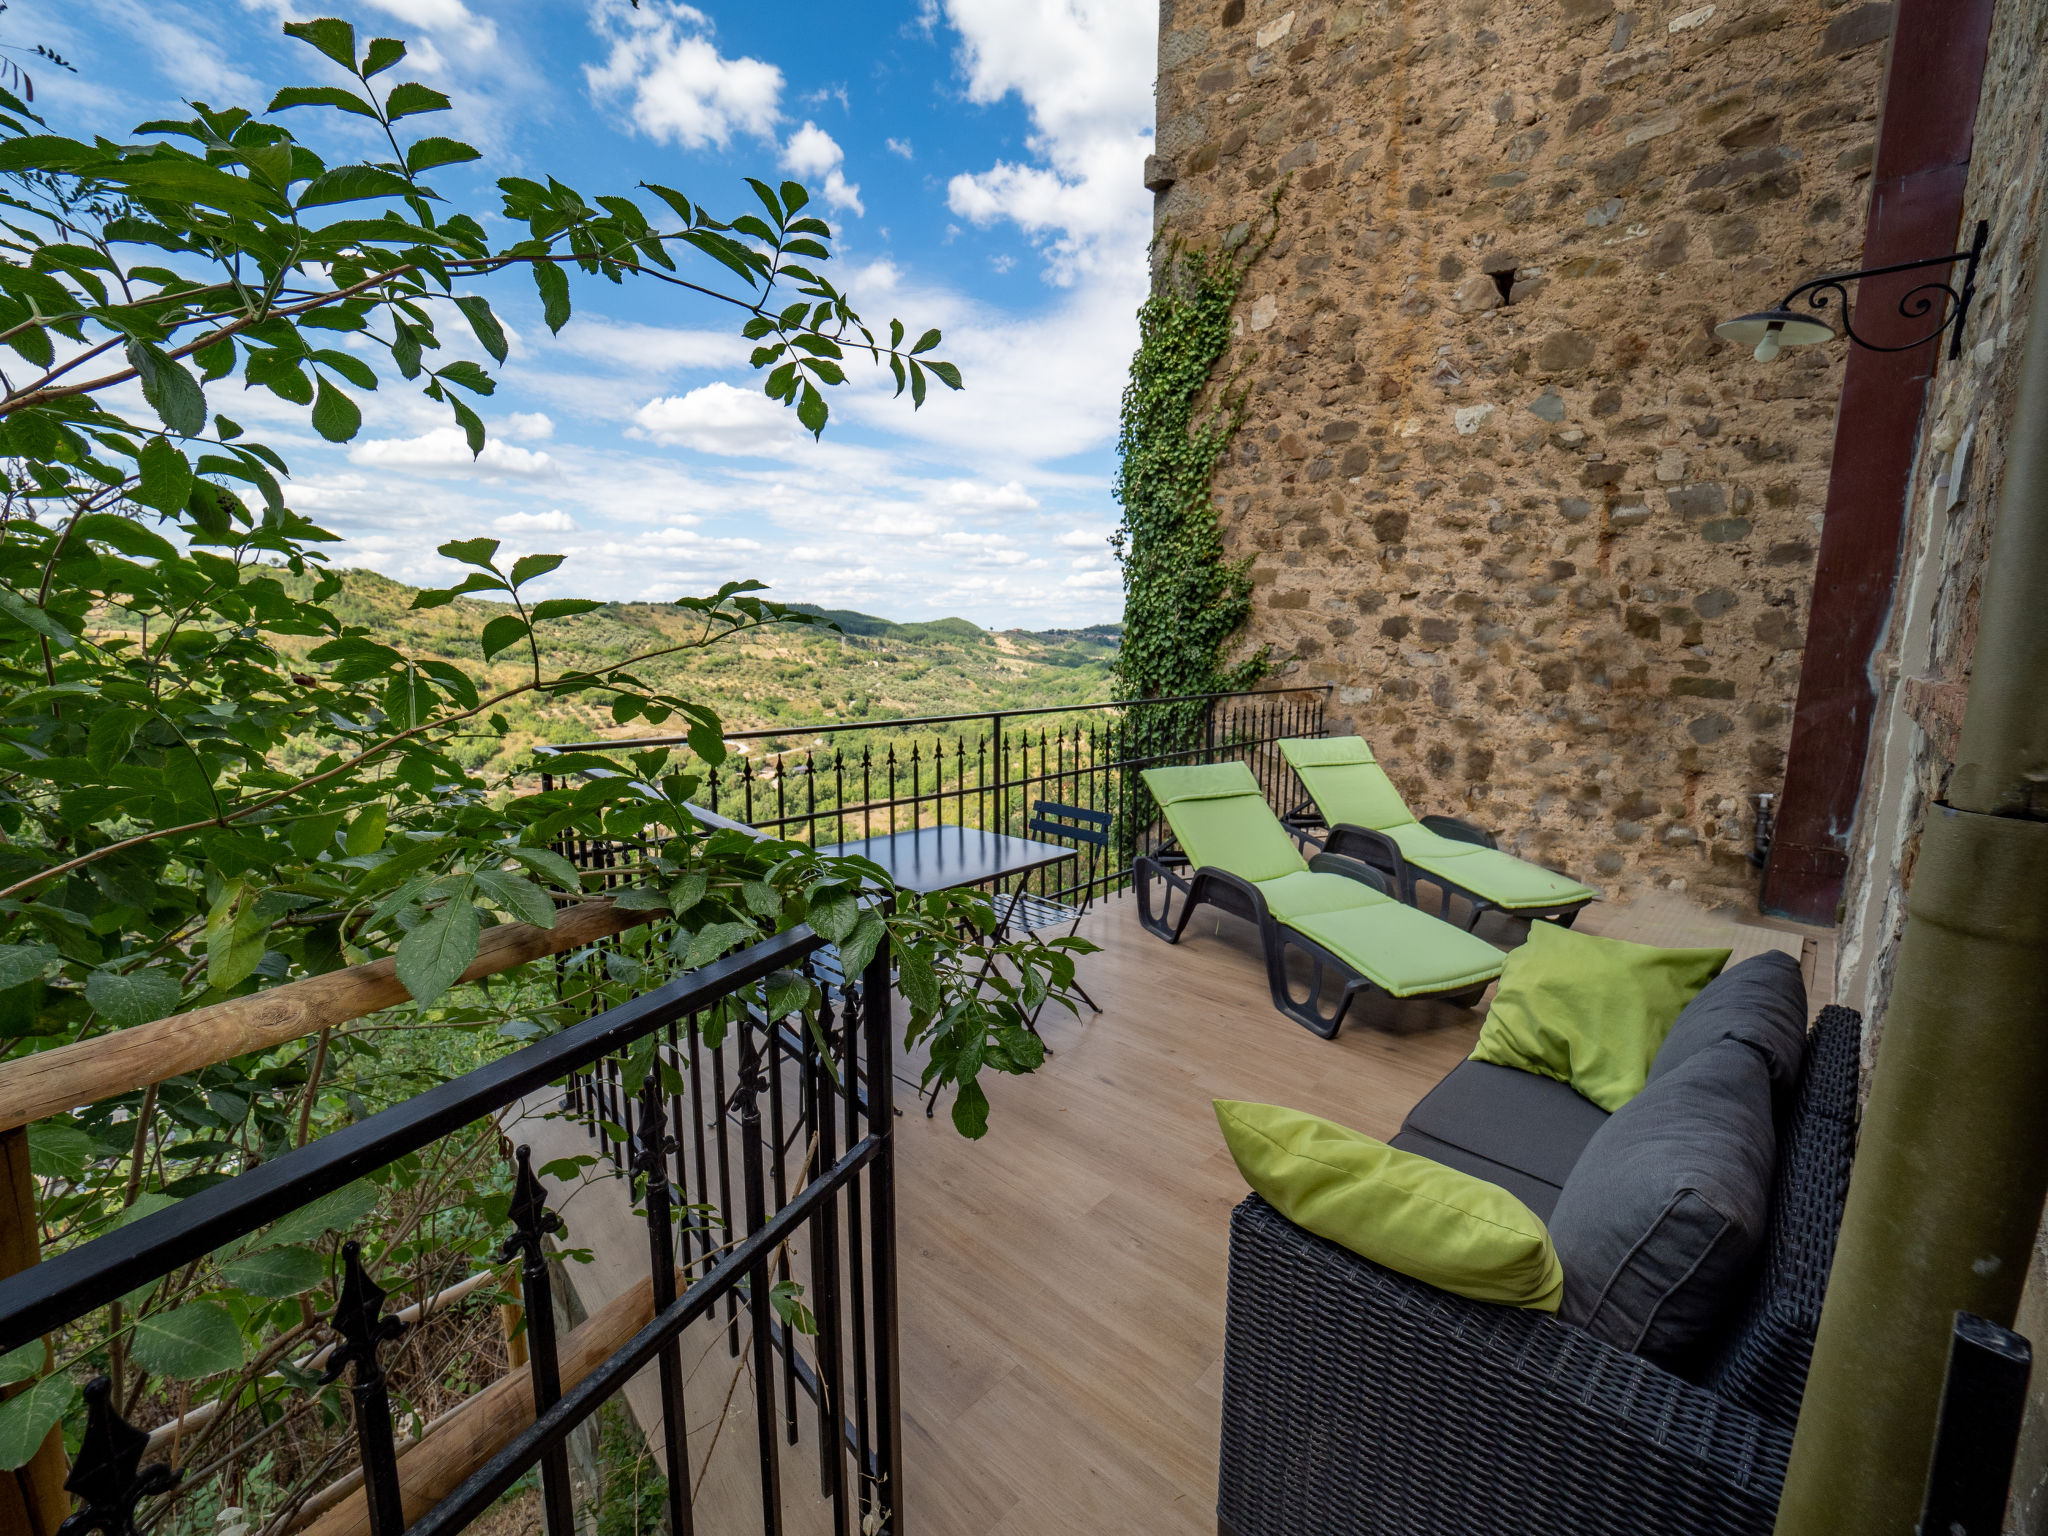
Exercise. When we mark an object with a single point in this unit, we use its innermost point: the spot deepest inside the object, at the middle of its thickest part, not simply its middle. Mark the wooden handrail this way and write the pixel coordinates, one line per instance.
(88, 1071)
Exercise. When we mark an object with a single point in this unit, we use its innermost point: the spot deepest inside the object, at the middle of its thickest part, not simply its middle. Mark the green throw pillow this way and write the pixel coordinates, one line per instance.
(1590, 1012)
(1441, 1226)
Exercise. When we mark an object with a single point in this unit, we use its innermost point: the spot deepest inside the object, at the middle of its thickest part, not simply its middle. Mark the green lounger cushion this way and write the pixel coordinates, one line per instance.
(1501, 878)
(1347, 784)
(1590, 1011)
(1221, 817)
(1351, 789)
(1403, 951)
(1437, 1224)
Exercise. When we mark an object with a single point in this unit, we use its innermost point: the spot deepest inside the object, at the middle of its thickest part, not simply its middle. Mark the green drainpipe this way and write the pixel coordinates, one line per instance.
(1952, 1164)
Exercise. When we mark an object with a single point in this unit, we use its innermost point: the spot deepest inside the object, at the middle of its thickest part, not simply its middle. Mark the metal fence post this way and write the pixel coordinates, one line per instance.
(878, 1022)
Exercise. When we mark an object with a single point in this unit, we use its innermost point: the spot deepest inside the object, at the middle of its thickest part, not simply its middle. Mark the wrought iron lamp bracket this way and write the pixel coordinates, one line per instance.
(1917, 304)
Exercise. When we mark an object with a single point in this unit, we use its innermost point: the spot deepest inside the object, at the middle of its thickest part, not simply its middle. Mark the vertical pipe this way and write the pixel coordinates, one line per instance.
(1952, 1164)
(662, 1259)
(33, 1499)
(781, 1186)
(732, 1306)
(825, 1274)
(856, 1276)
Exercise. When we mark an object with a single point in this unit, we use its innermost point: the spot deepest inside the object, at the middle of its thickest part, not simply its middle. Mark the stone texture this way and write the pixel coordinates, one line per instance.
(1556, 554)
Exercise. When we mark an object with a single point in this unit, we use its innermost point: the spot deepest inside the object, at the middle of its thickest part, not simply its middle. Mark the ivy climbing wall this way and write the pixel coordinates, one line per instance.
(1495, 479)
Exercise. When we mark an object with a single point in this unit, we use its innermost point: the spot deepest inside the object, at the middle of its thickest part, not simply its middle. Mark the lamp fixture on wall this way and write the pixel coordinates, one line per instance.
(1772, 330)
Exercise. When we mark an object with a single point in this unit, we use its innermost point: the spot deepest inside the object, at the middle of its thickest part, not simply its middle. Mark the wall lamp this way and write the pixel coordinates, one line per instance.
(1770, 331)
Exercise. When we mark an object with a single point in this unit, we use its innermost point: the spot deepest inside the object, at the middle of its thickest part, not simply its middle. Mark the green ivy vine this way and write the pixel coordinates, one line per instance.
(1183, 599)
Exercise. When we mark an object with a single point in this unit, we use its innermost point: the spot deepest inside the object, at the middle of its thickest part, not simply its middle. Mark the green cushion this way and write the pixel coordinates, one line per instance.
(1349, 788)
(1305, 894)
(1590, 1011)
(1325, 751)
(1221, 820)
(1443, 1227)
(1404, 952)
(1498, 877)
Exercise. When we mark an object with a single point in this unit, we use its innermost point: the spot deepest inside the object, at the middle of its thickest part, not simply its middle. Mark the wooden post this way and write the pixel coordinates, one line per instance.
(32, 1499)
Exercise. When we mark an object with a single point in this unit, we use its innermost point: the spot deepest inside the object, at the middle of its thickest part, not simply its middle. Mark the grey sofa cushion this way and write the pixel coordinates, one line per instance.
(1661, 1222)
(1762, 1001)
(1495, 1118)
(1537, 1194)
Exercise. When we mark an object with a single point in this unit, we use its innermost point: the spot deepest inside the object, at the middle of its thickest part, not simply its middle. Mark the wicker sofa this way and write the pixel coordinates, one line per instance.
(1357, 1400)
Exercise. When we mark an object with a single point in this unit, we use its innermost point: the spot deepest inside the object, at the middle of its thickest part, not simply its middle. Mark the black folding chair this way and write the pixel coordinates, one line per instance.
(1028, 913)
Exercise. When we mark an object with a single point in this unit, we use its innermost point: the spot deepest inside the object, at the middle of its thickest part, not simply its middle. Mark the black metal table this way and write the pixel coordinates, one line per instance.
(946, 858)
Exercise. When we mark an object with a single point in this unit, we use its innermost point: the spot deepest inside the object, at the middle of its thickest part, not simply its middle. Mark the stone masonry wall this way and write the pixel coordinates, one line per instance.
(1551, 540)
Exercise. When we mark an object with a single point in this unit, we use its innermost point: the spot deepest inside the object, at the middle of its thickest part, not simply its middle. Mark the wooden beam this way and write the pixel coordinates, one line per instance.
(32, 1499)
(467, 1436)
(89, 1071)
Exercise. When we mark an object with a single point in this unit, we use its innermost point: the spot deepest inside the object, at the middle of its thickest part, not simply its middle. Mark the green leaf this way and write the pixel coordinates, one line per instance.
(518, 895)
(27, 1419)
(127, 534)
(553, 284)
(351, 183)
(335, 416)
(794, 196)
(22, 1364)
(835, 919)
(429, 153)
(970, 1111)
(366, 832)
(925, 343)
(138, 997)
(435, 954)
(469, 376)
(338, 1212)
(477, 309)
(111, 734)
(639, 898)
(564, 607)
(170, 389)
(812, 411)
(24, 962)
(472, 425)
(314, 835)
(234, 938)
(189, 1341)
(321, 96)
(166, 477)
(713, 940)
(22, 611)
(687, 892)
(946, 374)
(336, 39)
(275, 1273)
(548, 864)
(476, 552)
(57, 1149)
(382, 53)
(502, 633)
(788, 992)
(410, 98)
(526, 567)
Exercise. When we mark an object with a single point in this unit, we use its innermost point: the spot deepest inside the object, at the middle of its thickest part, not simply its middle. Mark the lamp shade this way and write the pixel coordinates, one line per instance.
(1772, 330)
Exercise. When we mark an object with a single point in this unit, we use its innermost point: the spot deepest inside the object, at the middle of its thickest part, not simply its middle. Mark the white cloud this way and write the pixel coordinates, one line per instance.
(445, 449)
(529, 426)
(718, 418)
(1084, 68)
(556, 521)
(813, 153)
(1084, 538)
(972, 496)
(900, 147)
(674, 84)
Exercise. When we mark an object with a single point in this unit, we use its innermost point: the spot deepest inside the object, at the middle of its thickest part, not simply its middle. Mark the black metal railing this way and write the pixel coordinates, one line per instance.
(760, 1152)
(859, 779)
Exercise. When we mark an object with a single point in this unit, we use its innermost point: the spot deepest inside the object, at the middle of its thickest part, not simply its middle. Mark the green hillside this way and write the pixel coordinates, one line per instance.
(869, 669)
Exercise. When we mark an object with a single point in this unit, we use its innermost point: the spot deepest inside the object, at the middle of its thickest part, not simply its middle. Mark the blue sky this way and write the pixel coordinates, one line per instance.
(980, 162)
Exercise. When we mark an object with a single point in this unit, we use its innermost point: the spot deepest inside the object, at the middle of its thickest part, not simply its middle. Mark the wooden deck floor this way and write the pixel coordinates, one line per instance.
(1062, 1280)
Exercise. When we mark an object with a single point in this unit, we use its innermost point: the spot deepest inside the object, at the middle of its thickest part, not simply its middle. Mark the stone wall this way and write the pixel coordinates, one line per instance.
(1923, 666)
(1551, 541)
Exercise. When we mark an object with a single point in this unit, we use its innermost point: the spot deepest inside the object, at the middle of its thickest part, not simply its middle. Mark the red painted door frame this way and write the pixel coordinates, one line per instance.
(1925, 133)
